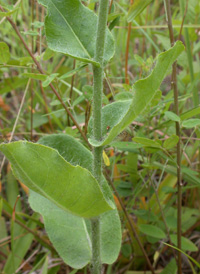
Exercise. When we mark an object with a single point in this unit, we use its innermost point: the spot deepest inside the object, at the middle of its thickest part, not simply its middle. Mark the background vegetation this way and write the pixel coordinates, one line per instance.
(141, 163)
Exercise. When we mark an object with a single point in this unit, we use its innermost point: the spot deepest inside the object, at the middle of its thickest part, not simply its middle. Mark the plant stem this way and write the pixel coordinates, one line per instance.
(178, 151)
(97, 132)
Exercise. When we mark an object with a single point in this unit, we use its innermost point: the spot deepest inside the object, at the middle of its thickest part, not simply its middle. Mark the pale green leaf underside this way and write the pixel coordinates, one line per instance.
(118, 115)
(66, 231)
(110, 225)
(71, 29)
(43, 170)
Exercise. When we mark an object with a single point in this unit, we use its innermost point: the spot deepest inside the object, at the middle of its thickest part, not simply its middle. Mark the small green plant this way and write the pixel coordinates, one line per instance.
(67, 186)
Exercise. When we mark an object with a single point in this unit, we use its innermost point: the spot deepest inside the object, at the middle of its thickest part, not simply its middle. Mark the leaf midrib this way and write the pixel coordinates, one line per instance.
(71, 30)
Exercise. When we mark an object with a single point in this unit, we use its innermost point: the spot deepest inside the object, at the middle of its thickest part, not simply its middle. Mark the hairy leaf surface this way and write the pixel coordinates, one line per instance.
(118, 115)
(43, 170)
(110, 225)
(66, 231)
(71, 29)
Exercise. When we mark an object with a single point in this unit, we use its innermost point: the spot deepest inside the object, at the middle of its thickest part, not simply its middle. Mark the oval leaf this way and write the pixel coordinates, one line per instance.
(190, 113)
(171, 142)
(152, 231)
(68, 31)
(66, 231)
(110, 225)
(172, 116)
(191, 123)
(43, 170)
(186, 244)
(146, 142)
(117, 116)
(171, 268)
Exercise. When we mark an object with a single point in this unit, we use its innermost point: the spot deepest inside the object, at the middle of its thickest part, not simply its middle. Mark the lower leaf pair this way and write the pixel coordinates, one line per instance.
(67, 196)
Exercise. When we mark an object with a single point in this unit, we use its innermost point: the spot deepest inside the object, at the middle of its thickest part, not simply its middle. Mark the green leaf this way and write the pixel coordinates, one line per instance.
(190, 113)
(72, 72)
(171, 142)
(186, 244)
(152, 231)
(56, 219)
(35, 76)
(137, 7)
(4, 53)
(31, 33)
(146, 142)
(13, 83)
(75, 153)
(172, 116)
(126, 146)
(48, 54)
(171, 268)
(146, 215)
(66, 231)
(43, 170)
(8, 13)
(191, 123)
(117, 116)
(110, 227)
(69, 32)
(49, 79)
(123, 96)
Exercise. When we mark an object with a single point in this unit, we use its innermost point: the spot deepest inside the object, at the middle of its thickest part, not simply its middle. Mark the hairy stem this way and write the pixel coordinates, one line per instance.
(178, 148)
(97, 131)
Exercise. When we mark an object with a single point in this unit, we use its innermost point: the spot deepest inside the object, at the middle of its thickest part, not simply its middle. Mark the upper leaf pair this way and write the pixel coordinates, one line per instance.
(118, 115)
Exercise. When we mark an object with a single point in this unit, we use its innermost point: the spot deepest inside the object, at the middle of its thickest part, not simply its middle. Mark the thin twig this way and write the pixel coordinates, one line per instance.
(27, 260)
(130, 223)
(181, 29)
(110, 8)
(15, 5)
(37, 236)
(72, 87)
